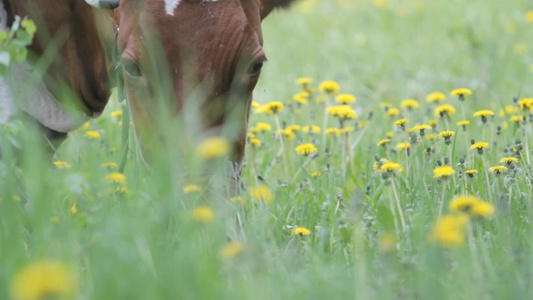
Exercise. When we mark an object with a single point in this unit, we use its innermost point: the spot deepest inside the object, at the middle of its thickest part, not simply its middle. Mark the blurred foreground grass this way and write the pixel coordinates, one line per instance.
(307, 226)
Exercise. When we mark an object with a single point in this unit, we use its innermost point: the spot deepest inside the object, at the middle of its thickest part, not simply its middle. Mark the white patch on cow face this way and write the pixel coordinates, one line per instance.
(171, 5)
(94, 3)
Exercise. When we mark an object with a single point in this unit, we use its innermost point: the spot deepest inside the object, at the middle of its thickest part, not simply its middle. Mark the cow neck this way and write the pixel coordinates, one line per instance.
(32, 96)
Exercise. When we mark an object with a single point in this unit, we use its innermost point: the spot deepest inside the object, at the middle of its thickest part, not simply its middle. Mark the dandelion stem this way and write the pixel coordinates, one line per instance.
(487, 177)
(400, 211)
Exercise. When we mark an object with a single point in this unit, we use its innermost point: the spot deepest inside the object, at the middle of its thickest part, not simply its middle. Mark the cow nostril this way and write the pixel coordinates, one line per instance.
(131, 68)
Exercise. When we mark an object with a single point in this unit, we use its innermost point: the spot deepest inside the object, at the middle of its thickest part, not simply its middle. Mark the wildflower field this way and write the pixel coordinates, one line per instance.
(389, 157)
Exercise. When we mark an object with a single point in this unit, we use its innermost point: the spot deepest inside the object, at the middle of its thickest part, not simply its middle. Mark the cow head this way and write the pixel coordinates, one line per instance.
(208, 53)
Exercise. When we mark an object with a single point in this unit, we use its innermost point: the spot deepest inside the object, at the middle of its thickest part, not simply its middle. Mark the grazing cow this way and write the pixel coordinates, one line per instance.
(207, 51)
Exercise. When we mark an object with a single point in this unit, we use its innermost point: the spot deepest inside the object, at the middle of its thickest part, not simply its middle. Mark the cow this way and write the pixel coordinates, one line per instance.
(208, 52)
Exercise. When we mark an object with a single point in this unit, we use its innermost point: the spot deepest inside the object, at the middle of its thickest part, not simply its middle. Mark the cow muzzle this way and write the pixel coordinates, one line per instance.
(104, 4)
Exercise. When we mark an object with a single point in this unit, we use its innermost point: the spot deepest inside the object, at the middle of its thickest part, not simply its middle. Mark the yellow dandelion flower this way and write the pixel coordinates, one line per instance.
(191, 188)
(306, 149)
(483, 113)
(116, 113)
(449, 232)
(389, 134)
(471, 172)
(391, 166)
(213, 147)
(320, 99)
(520, 49)
(255, 105)
(383, 142)
(445, 110)
(387, 241)
(329, 87)
(85, 126)
(109, 164)
(44, 279)
(431, 136)
(261, 193)
(203, 214)
(301, 231)
(272, 108)
(516, 119)
(463, 124)
(393, 112)
(255, 142)
(345, 98)
(380, 3)
(508, 109)
(446, 134)
(461, 92)
(410, 104)
(435, 97)
(250, 135)
(293, 128)
(343, 112)
(385, 105)
(401, 123)
(262, 126)
(443, 172)
(237, 199)
(498, 169)
(304, 80)
(347, 129)
(421, 127)
(231, 249)
(433, 123)
(93, 134)
(116, 177)
(509, 160)
(333, 131)
(315, 174)
(286, 134)
(403, 146)
(483, 209)
(74, 209)
(301, 97)
(311, 129)
(463, 204)
(526, 104)
(479, 146)
(529, 16)
(62, 164)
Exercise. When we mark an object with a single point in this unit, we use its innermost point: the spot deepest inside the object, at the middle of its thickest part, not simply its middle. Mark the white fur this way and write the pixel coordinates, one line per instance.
(32, 96)
(171, 6)
(95, 3)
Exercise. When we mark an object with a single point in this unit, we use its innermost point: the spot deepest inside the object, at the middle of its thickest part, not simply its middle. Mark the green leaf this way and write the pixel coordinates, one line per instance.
(3, 37)
(5, 58)
(24, 37)
(30, 27)
(385, 218)
(21, 54)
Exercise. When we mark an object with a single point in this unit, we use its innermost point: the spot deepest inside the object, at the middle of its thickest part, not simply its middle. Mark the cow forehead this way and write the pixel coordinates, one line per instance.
(172, 5)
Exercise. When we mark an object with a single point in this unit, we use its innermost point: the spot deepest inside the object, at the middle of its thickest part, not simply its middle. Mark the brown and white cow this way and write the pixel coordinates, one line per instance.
(204, 51)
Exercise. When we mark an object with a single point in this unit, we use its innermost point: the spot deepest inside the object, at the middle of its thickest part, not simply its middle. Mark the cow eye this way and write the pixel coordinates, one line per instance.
(131, 68)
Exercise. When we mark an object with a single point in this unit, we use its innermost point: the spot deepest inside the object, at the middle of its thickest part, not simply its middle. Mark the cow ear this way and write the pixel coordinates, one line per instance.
(267, 6)
(104, 4)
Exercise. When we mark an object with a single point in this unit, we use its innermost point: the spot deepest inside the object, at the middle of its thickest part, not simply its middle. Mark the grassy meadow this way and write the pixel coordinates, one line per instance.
(409, 192)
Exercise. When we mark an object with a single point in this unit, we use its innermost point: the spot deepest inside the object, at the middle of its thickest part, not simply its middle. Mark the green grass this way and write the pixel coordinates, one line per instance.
(145, 243)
